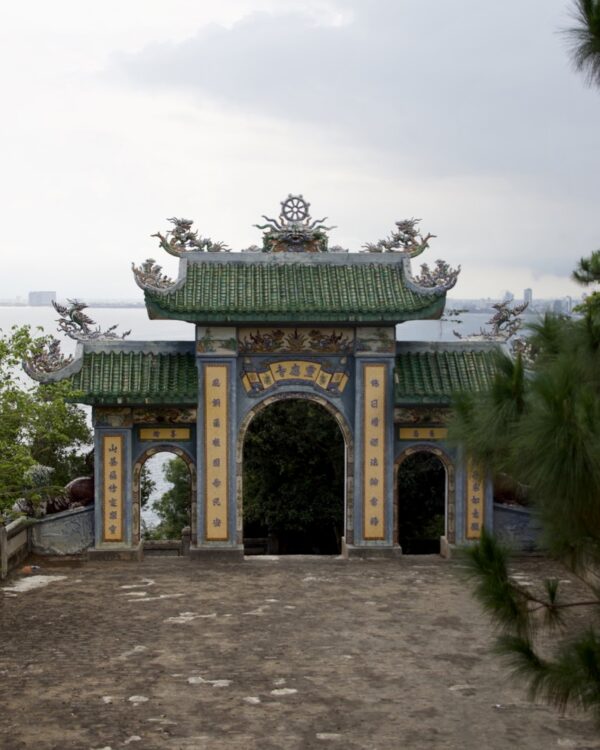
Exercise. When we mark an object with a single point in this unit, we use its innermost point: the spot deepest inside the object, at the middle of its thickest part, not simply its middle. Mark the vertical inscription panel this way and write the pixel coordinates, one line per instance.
(374, 452)
(112, 488)
(475, 501)
(216, 448)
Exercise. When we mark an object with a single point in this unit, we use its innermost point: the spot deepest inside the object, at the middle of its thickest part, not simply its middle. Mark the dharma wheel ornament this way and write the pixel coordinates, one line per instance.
(295, 208)
(295, 231)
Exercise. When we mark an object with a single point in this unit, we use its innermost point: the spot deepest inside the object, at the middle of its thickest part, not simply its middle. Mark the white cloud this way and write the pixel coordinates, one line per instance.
(123, 114)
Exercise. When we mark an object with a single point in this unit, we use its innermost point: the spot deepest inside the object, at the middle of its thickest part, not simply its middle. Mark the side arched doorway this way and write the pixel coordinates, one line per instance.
(294, 461)
(137, 479)
(424, 499)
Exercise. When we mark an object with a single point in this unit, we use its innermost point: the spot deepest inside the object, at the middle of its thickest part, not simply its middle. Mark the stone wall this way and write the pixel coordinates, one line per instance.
(66, 533)
(516, 527)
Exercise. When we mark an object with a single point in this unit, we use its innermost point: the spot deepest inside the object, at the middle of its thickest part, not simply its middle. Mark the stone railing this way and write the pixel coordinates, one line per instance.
(14, 545)
(179, 547)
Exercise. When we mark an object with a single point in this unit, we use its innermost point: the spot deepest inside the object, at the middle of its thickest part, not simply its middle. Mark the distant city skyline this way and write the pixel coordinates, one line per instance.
(35, 298)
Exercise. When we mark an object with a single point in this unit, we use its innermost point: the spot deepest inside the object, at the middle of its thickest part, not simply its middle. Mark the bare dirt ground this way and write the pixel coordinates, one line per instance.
(290, 654)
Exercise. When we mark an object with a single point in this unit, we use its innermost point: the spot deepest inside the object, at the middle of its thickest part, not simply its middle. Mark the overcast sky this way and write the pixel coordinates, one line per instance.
(465, 114)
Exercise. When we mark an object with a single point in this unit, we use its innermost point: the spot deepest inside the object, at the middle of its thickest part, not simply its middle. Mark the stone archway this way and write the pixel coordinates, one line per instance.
(450, 493)
(349, 458)
(137, 471)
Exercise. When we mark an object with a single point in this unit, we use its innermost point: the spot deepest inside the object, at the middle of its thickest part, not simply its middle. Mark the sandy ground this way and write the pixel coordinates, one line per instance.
(271, 654)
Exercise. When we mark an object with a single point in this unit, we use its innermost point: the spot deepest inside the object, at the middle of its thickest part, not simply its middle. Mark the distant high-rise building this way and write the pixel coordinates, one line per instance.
(528, 296)
(37, 299)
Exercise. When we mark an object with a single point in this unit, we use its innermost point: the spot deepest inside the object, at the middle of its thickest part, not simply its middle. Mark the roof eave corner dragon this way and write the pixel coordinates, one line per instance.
(179, 241)
(407, 240)
(48, 363)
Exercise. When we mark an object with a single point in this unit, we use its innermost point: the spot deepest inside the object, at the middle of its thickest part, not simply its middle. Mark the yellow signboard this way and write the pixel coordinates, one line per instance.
(295, 370)
(374, 452)
(112, 488)
(475, 501)
(165, 433)
(216, 452)
(423, 433)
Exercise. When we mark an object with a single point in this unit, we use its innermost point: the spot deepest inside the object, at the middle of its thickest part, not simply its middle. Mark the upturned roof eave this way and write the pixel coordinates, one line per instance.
(132, 401)
(431, 311)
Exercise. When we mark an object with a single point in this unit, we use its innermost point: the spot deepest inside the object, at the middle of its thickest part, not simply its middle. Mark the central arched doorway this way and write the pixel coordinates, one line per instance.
(293, 478)
(422, 492)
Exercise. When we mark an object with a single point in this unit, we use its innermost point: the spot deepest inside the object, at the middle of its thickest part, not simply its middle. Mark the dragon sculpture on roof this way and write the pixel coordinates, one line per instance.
(406, 238)
(150, 276)
(503, 325)
(182, 239)
(77, 325)
(47, 359)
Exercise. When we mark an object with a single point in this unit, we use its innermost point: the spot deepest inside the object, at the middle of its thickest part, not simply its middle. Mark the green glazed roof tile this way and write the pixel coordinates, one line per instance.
(433, 376)
(258, 291)
(136, 377)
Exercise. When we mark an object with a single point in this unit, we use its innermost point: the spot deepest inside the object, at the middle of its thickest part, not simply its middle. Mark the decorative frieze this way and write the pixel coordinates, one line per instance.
(295, 340)
(167, 415)
(421, 416)
(215, 340)
(375, 341)
(127, 417)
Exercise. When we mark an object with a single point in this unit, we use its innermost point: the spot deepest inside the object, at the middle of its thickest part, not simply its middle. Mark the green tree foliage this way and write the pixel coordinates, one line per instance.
(584, 39)
(174, 506)
(587, 273)
(147, 485)
(541, 425)
(294, 473)
(37, 425)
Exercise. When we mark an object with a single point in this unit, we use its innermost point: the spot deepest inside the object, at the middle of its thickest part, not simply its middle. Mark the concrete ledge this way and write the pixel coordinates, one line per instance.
(371, 553)
(446, 548)
(217, 554)
(129, 554)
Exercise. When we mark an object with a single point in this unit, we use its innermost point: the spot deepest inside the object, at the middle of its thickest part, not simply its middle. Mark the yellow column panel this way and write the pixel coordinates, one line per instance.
(112, 488)
(475, 501)
(374, 452)
(216, 453)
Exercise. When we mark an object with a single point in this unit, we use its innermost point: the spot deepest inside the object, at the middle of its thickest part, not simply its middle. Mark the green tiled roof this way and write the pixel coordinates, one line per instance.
(136, 377)
(252, 292)
(433, 374)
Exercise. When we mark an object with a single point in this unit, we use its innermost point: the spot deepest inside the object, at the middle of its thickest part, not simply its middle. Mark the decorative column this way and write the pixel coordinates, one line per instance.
(113, 512)
(216, 435)
(374, 438)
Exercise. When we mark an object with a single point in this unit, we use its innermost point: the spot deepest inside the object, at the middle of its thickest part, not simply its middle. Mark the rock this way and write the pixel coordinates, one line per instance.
(80, 491)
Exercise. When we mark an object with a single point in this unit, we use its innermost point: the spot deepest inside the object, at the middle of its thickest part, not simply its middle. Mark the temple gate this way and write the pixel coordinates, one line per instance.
(293, 319)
